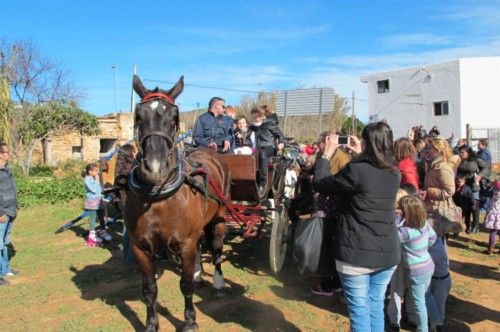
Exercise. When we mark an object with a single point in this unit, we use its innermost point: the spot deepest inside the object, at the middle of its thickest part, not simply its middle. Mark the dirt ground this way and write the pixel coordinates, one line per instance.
(65, 286)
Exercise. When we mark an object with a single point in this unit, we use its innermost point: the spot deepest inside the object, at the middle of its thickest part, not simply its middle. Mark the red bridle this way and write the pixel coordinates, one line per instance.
(159, 95)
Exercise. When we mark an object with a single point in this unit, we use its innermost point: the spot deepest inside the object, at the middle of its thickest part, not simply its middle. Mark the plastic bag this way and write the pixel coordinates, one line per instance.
(307, 244)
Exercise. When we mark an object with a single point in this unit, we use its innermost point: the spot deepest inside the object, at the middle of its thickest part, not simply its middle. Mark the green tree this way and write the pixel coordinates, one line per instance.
(4, 111)
(347, 126)
(48, 119)
(35, 83)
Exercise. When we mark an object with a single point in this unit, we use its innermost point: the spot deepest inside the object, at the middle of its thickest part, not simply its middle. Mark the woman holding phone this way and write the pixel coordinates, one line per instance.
(366, 245)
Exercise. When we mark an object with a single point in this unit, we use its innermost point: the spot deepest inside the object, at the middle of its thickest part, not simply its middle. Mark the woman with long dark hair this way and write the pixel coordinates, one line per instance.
(366, 246)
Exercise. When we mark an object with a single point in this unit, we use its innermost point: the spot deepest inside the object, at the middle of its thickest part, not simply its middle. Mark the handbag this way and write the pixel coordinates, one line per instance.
(446, 217)
(92, 204)
(307, 244)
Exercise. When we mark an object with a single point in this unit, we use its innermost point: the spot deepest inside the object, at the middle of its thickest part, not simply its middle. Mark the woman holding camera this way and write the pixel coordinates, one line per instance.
(366, 246)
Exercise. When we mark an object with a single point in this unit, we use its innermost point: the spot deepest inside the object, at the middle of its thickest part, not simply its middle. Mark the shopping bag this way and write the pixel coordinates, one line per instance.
(446, 218)
(307, 244)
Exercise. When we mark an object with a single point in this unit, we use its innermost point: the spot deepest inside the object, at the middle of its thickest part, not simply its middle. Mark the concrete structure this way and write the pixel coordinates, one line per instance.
(449, 95)
(71, 145)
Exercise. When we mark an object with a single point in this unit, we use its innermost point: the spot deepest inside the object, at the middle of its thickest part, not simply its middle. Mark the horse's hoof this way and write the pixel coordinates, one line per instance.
(219, 293)
(190, 327)
(152, 328)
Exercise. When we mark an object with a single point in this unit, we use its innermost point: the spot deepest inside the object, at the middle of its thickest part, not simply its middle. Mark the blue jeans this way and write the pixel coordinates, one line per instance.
(127, 248)
(5, 230)
(420, 293)
(364, 295)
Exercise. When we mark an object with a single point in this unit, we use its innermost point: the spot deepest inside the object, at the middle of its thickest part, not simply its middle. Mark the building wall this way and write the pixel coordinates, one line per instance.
(480, 92)
(59, 148)
(411, 97)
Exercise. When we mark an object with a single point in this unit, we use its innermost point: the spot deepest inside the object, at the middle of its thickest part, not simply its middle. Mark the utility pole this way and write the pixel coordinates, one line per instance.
(353, 115)
(196, 114)
(320, 111)
(114, 67)
(132, 93)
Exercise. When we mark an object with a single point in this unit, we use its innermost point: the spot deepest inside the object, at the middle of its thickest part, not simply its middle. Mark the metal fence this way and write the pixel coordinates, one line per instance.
(305, 101)
(493, 137)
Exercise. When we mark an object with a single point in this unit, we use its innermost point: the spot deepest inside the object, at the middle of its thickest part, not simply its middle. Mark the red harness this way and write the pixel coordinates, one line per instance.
(159, 95)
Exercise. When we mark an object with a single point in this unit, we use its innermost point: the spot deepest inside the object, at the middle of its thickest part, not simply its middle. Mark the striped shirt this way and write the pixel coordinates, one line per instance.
(415, 244)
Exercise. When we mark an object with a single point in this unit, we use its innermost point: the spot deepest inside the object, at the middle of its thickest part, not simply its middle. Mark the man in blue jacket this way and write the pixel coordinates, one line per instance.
(8, 212)
(212, 130)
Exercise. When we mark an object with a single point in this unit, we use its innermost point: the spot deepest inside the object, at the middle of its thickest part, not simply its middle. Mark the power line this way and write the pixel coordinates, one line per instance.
(204, 86)
(399, 96)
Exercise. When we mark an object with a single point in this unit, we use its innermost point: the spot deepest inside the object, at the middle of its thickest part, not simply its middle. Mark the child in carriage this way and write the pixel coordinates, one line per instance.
(244, 137)
(266, 133)
(94, 206)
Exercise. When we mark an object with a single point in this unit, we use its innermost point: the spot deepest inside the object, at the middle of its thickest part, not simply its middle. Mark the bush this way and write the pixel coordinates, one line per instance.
(41, 170)
(33, 192)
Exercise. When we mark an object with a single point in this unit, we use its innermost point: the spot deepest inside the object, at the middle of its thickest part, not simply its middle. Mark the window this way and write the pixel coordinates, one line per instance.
(383, 86)
(441, 108)
(76, 152)
(106, 144)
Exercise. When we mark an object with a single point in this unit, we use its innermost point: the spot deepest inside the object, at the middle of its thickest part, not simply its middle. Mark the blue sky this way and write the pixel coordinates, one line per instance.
(246, 45)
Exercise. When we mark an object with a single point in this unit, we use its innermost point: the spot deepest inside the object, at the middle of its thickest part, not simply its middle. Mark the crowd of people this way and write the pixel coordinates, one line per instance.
(388, 207)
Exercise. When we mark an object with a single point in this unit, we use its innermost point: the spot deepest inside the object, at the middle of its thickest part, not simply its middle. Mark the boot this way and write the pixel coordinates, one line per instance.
(489, 251)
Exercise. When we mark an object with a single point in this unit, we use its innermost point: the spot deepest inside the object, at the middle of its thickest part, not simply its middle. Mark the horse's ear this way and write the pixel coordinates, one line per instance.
(177, 89)
(139, 87)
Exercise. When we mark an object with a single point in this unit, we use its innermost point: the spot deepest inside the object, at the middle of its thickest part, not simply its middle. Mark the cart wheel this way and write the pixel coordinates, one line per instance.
(278, 243)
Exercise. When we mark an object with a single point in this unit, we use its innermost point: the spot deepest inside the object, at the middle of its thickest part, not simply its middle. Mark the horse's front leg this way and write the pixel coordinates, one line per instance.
(217, 231)
(188, 256)
(149, 287)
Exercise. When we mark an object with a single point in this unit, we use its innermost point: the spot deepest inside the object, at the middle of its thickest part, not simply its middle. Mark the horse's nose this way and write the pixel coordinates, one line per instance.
(152, 166)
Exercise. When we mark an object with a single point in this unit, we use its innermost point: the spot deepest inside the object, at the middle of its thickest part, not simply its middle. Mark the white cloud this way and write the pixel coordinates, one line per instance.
(479, 15)
(291, 34)
(414, 39)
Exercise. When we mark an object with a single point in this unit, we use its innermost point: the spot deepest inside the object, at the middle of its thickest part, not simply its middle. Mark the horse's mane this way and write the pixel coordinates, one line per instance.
(125, 159)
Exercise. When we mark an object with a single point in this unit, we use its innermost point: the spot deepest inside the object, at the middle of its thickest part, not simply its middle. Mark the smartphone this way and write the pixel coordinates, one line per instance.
(343, 140)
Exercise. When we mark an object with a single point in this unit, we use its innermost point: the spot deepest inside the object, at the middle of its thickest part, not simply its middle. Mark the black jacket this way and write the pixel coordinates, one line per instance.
(243, 138)
(472, 166)
(267, 132)
(8, 196)
(365, 232)
(464, 197)
(210, 128)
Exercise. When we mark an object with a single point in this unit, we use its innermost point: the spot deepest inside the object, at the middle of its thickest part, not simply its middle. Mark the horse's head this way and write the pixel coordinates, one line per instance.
(156, 123)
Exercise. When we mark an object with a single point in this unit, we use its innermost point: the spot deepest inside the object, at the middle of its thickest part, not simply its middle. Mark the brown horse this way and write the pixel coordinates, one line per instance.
(168, 203)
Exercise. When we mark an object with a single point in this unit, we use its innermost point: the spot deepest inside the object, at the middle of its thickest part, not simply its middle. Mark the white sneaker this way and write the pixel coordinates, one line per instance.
(94, 238)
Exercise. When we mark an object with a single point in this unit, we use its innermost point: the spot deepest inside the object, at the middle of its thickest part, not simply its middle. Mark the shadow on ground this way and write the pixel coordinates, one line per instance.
(473, 270)
(116, 285)
(459, 312)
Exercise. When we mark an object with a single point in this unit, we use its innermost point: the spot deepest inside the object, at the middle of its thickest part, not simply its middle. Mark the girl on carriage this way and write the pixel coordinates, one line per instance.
(244, 137)
(94, 206)
(266, 132)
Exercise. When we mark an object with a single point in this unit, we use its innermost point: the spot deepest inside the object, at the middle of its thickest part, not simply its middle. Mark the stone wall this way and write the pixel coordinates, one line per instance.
(70, 145)
(65, 146)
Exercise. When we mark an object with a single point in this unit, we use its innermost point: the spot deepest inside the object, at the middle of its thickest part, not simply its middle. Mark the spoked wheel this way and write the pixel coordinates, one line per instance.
(278, 243)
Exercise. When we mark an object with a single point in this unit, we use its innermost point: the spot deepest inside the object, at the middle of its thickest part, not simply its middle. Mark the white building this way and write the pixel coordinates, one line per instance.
(449, 95)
